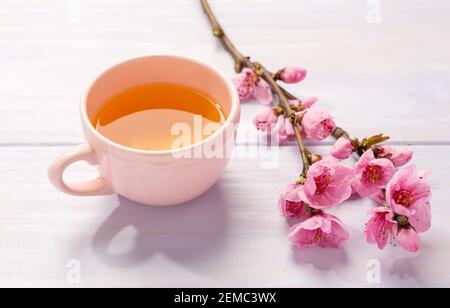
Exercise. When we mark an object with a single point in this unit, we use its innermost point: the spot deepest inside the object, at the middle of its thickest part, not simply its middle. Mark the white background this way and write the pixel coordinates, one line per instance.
(391, 76)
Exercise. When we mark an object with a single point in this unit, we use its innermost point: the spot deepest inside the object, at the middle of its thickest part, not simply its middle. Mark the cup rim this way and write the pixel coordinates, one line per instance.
(230, 119)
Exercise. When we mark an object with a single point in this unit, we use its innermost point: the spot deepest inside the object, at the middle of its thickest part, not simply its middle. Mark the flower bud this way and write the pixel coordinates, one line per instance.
(399, 156)
(292, 74)
(342, 148)
(317, 124)
(266, 120)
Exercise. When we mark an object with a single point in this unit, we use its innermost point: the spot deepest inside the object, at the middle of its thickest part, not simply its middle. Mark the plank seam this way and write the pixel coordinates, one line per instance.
(63, 144)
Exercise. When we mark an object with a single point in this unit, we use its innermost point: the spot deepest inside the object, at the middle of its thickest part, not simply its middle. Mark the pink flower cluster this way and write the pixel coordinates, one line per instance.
(314, 123)
(405, 211)
(328, 183)
(380, 174)
(250, 85)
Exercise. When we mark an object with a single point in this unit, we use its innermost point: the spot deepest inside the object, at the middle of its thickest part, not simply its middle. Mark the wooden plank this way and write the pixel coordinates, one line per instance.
(233, 236)
(391, 76)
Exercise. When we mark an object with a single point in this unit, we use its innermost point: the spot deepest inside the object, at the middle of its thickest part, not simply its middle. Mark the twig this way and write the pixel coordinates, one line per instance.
(242, 61)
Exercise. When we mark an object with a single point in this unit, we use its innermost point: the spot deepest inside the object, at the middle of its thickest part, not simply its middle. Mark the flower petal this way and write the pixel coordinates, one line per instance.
(409, 240)
(338, 234)
(245, 84)
(302, 237)
(263, 93)
(421, 219)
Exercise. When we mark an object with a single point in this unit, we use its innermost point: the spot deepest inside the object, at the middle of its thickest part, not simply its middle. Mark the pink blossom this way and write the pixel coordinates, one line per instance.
(381, 227)
(286, 131)
(290, 204)
(317, 124)
(408, 195)
(385, 225)
(250, 85)
(292, 74)
(408, 199)
(266, 120)
(399, 156)
(328, 183)
(309, 102)
(379, 197)
(321, 230)
(342, 148)
(372, 174)
(409, 239)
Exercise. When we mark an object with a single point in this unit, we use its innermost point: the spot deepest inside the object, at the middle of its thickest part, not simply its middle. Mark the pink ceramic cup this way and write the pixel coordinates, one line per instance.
(152, 177)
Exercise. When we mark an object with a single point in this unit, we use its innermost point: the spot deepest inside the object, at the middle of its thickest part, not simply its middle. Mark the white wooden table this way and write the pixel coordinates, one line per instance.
(392, 76)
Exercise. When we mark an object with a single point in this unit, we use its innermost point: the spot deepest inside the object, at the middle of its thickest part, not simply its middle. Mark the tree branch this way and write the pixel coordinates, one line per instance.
(242, 61)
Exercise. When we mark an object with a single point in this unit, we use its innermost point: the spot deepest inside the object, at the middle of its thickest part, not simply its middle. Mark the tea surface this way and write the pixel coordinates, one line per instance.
(153, 116)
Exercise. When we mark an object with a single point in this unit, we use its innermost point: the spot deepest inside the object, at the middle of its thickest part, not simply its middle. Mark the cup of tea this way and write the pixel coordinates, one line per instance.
(160, 129)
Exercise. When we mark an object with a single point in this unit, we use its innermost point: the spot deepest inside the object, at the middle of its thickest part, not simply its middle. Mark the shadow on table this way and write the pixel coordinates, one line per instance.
(184, 233)
(323, 259)
(428, 268)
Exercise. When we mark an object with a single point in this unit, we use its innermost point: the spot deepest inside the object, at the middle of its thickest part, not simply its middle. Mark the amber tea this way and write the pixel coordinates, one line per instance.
(143, 117)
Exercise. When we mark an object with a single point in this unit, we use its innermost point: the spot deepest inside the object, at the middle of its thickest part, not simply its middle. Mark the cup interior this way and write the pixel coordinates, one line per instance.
(171, 69)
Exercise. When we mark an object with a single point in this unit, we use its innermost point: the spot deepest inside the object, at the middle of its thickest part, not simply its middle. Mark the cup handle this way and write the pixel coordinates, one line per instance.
(56, 170)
